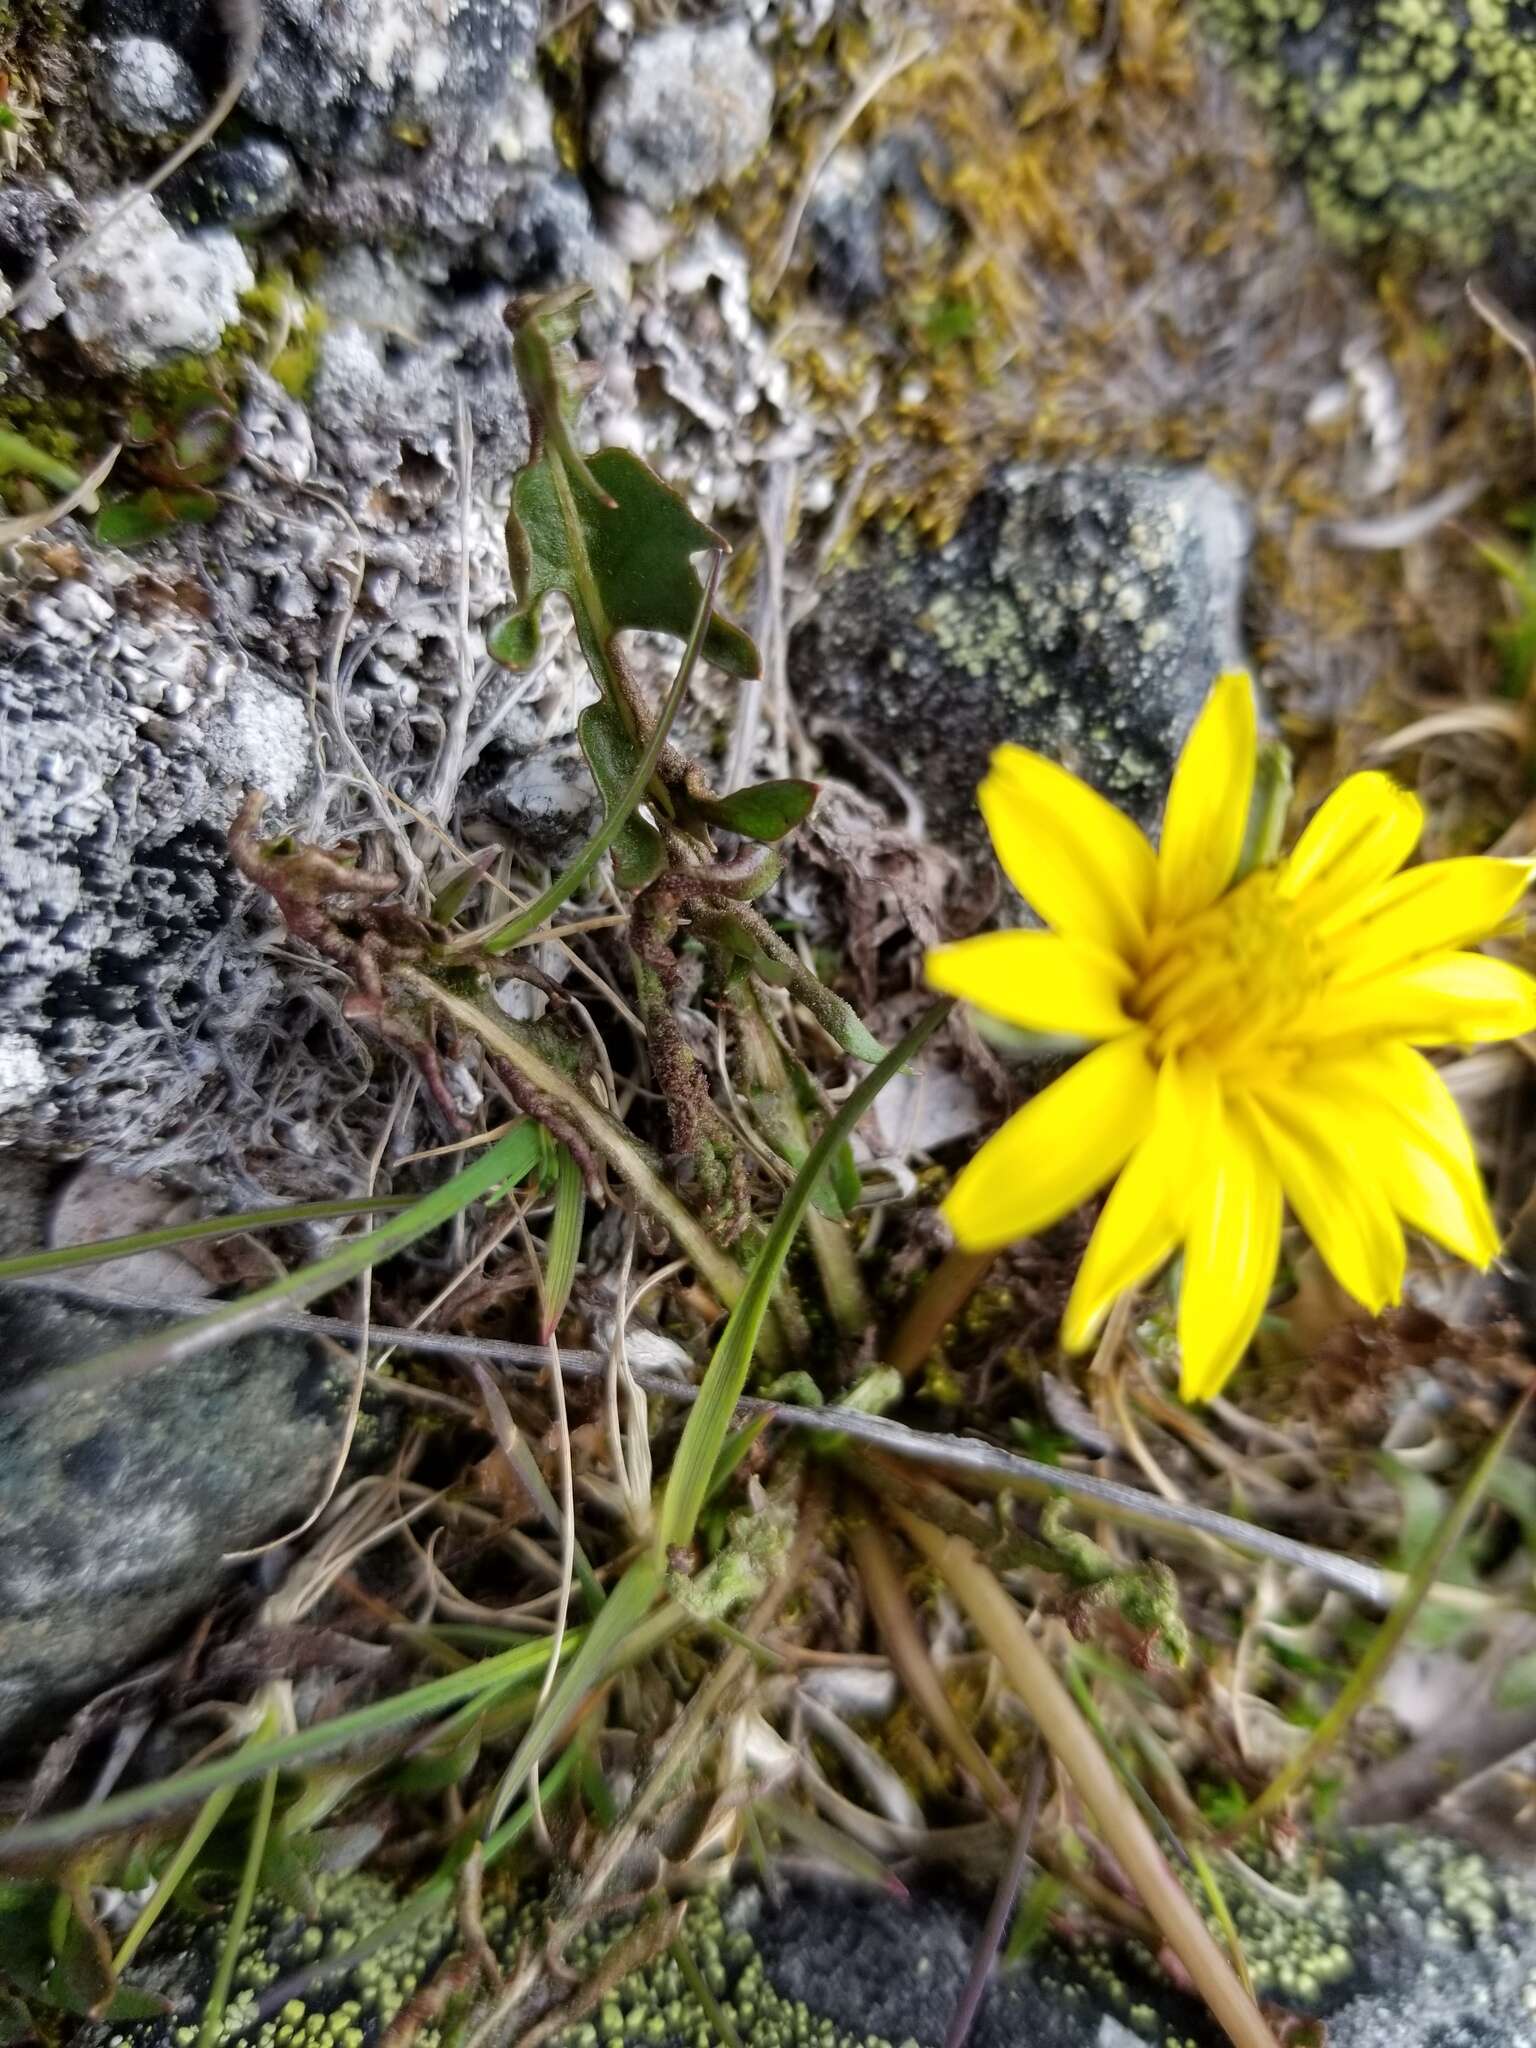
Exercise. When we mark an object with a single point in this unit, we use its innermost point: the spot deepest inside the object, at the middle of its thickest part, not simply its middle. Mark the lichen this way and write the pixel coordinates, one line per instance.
(1313, 1939)
(1401, 115)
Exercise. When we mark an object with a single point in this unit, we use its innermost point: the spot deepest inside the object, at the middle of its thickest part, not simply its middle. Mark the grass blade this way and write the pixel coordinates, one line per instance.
(510, 1158)
(61, 1258)
(492, 1675)
(710, 1422)
(571, 878)
(564, 1240)
(240, 1913)
(623, 1611)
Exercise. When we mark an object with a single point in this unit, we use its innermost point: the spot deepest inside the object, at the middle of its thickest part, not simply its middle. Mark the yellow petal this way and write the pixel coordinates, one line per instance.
(1407, 1121)
(1085, 867)
(1329, 1182)
(1430, 909)
(1057, 1150)
(1358, 837)
(1207, 812)
(1444, 999)
(1143, 1219)
(1037, 981)
(1229, 1257)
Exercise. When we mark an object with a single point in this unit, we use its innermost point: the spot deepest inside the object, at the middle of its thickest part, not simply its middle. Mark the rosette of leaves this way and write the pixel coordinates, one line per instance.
(620, 546)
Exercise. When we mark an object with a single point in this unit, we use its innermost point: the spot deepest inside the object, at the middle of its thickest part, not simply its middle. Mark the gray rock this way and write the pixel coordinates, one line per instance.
(850, 209)
(359, 80)
(116, 1506)
(369, 81)
(145, 86)
(1083, 612)
(128, 983)
(689, 108)
(36, 219)
(144, 292)
(246, 184)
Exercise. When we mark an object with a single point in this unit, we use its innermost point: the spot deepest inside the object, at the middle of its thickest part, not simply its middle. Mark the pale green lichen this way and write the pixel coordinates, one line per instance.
(1309, 1941)
(1416, 116)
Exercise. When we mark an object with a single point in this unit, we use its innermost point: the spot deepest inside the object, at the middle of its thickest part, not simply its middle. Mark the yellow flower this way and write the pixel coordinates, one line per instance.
(1253, 1038)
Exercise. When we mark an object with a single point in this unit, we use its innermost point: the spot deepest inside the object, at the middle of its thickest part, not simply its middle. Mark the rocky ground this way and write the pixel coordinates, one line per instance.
(1034, 363)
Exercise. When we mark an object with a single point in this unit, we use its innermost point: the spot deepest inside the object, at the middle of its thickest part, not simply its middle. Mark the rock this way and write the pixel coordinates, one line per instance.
(1083, 612)
(130, 983)
(1419, 118)
(36, 220)
(144, 293)
(689, 108)
(246, 184)
(145, 86)
(117, 1505)
(850, 209)
(359, 81)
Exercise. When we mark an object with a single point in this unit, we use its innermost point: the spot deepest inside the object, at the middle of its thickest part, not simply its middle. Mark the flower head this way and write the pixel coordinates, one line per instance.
(1253, 1036)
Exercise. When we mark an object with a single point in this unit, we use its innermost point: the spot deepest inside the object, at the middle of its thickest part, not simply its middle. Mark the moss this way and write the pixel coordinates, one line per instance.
(1402, 115)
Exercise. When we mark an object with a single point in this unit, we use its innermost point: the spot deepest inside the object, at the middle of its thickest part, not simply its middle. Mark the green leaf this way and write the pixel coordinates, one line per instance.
(709, 1420)
(514, 639)
(18, 457)
(612, 756)
(131, 521)
(82, 1981)
(26, 1943)
(15, 2020)
(765, 811)
(622, 808)
(131, 2002)
(624, 566)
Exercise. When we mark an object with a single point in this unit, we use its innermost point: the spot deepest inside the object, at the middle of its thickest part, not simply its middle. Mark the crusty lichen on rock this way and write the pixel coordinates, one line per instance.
(1401, 115)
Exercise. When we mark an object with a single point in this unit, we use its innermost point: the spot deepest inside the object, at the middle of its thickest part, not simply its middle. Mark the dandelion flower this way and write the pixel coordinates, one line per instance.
(1254, 1039)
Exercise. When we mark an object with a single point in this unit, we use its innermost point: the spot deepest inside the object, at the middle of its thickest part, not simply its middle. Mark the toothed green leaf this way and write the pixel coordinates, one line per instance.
(626, 565)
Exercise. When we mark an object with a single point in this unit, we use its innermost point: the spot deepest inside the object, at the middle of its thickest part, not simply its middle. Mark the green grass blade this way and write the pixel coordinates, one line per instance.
(524, 1664)
(709, 1423)
(571, 878)
(605, 1638)
(240, 1913)
(510, 1157)
(564, 1240)
(29, 1265)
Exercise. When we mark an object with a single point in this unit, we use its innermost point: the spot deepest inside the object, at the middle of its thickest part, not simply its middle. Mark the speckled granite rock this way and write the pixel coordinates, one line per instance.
(116, 1506)
(1083, 612)
(127, 974)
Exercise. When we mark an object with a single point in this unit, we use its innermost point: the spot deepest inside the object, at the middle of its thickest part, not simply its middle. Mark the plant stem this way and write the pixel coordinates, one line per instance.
(605, 1135)
(1030, 1673)
(945, 1292)
(705, 1431)
(234, 1932)
(527, 920)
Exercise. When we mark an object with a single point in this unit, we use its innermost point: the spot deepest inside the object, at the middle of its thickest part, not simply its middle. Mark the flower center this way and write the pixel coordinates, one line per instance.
(1230, 982)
